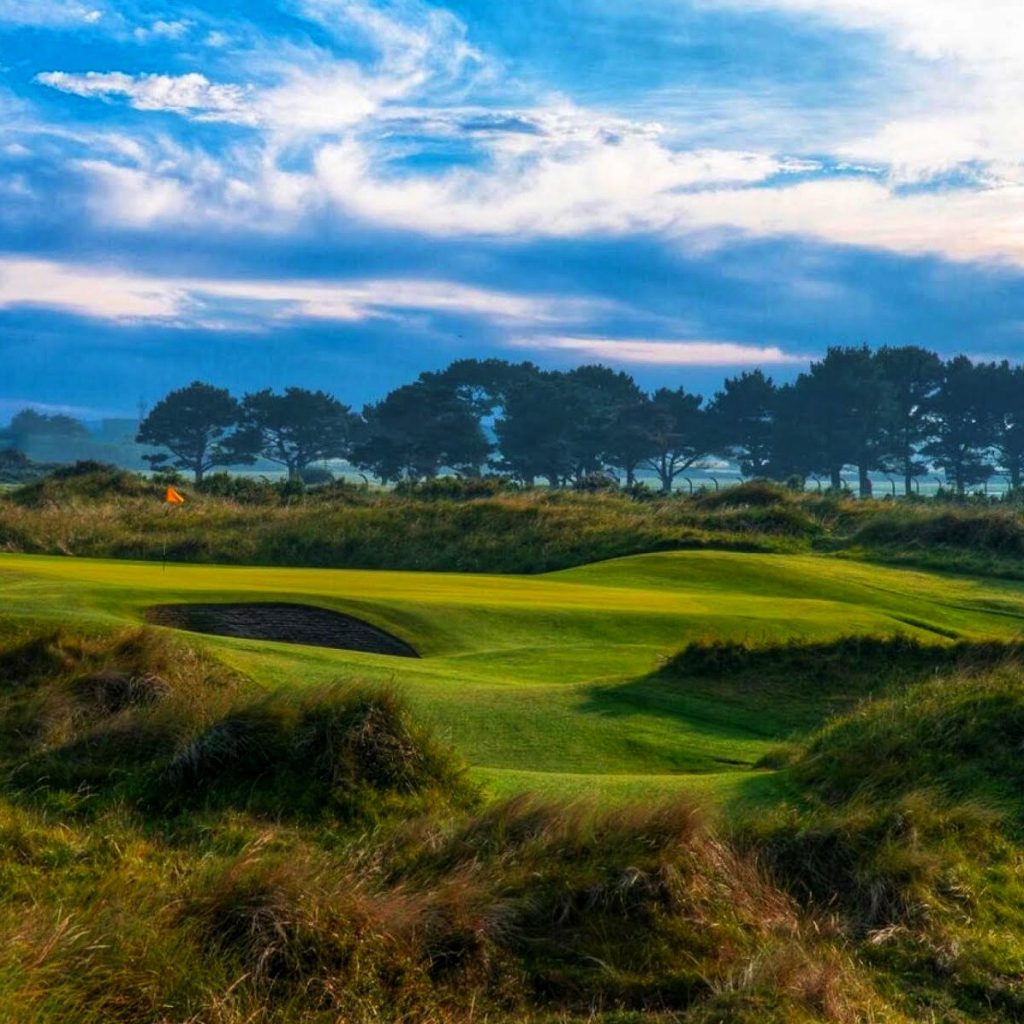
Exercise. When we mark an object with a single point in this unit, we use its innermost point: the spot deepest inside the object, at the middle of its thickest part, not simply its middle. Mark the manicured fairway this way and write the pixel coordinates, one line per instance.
(541, 681)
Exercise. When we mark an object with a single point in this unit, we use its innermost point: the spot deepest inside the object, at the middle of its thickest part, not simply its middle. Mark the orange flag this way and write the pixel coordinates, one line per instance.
(172, 497)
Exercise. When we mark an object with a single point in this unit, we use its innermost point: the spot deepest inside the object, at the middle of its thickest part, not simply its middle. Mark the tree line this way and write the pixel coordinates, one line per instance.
(898, 410)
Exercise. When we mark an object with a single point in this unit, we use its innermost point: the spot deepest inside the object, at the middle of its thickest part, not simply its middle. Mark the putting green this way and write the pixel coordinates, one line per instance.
(540, 681)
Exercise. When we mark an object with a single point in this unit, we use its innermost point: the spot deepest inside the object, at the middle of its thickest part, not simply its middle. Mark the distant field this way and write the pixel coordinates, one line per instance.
(545, 683)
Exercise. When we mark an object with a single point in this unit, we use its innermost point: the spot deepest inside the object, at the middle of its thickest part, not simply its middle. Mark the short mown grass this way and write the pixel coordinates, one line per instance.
(574, 675)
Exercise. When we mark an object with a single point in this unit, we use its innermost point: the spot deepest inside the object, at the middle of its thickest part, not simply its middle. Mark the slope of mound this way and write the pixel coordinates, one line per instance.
(907, 827)
(284, 623)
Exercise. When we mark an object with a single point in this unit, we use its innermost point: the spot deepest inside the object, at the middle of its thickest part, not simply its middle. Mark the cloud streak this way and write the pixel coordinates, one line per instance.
(50, 13)
(117, 296)
(644, 352)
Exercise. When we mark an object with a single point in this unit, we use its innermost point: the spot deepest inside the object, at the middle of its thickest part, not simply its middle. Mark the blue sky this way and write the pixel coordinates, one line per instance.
(343, 193)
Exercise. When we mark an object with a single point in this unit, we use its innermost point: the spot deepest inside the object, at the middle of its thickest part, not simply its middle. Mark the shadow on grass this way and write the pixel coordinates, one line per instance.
(777, 690)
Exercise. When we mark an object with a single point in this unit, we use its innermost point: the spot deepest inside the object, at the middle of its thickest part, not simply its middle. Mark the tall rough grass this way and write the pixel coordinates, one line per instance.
(176, 845)
(477, 526)
(910, 831)
(532, 531)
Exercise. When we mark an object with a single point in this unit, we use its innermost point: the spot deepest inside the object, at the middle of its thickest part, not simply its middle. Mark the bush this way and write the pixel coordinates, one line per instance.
(247, 490)
(84, 481)
(750, 494)
(316, 476)
(341, 750)
(456, 488)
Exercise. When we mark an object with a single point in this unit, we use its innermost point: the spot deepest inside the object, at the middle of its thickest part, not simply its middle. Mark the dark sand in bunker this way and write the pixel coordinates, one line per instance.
(284, 623)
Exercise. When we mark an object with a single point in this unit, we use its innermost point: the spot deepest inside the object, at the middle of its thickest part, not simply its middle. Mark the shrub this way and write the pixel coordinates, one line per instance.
(84, 481)
(456, 488)
(317, 476)
(339, 749)
(750, 493)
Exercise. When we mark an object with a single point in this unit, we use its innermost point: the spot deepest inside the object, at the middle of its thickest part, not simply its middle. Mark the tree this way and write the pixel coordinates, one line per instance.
(297, 428)
(632, 443)
(195, 424)
(743, 420)
(419, 429)
(791, 455)
(962, 424)
(28, 424)
(484, 383)
(535, 430)
(842, 404)
(680, 434)
(1006, 387)
(597, 398)
(910, 376)
(565, 426)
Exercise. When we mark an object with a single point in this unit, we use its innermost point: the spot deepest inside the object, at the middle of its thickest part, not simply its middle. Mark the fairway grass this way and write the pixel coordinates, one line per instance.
(548, 683)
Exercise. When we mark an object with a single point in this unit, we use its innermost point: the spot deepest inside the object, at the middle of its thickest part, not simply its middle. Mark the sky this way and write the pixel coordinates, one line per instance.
(343, 193)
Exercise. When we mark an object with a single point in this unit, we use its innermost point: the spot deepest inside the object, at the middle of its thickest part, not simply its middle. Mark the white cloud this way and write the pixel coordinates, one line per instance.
(539, 186)
(665, 353)
(956, 102)
(415, 40)
(49, 13)
(180, 94)
(112, 294)
(362, 300)
(963, 224)
(558, 169)
(89, 291)
(133, 197)
(932, 29)
(311, 91)
(165, 30)
(321, 100)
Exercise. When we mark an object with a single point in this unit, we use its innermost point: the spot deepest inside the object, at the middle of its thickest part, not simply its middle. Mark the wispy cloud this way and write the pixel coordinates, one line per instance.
(541, 185)
(637, 351)
(957, 106)
(333, 131)
(190, 94)
(118, 296)
(50, 13)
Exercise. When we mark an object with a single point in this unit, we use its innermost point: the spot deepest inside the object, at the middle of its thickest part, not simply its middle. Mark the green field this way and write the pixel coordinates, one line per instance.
(549, 683)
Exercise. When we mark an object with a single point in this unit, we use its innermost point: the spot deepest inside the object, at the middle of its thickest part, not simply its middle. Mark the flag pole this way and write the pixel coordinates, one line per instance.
(171, 497)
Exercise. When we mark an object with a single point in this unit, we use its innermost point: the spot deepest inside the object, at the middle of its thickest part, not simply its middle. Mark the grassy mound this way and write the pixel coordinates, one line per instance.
(910, 830)
(961, 735)
(141, 718)
(797, 685)
(981, 540)
(342, 750)
(84, 482)
(177, 843)
(441, 527)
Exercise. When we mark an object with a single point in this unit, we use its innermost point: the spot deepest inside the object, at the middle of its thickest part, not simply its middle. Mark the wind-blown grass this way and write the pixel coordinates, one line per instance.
(475, 527)
(273, 903)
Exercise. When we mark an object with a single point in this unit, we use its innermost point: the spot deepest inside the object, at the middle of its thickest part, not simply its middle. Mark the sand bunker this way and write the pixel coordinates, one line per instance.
(285, 623)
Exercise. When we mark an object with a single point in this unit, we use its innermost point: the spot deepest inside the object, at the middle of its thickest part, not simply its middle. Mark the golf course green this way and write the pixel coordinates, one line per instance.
(549, 683)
